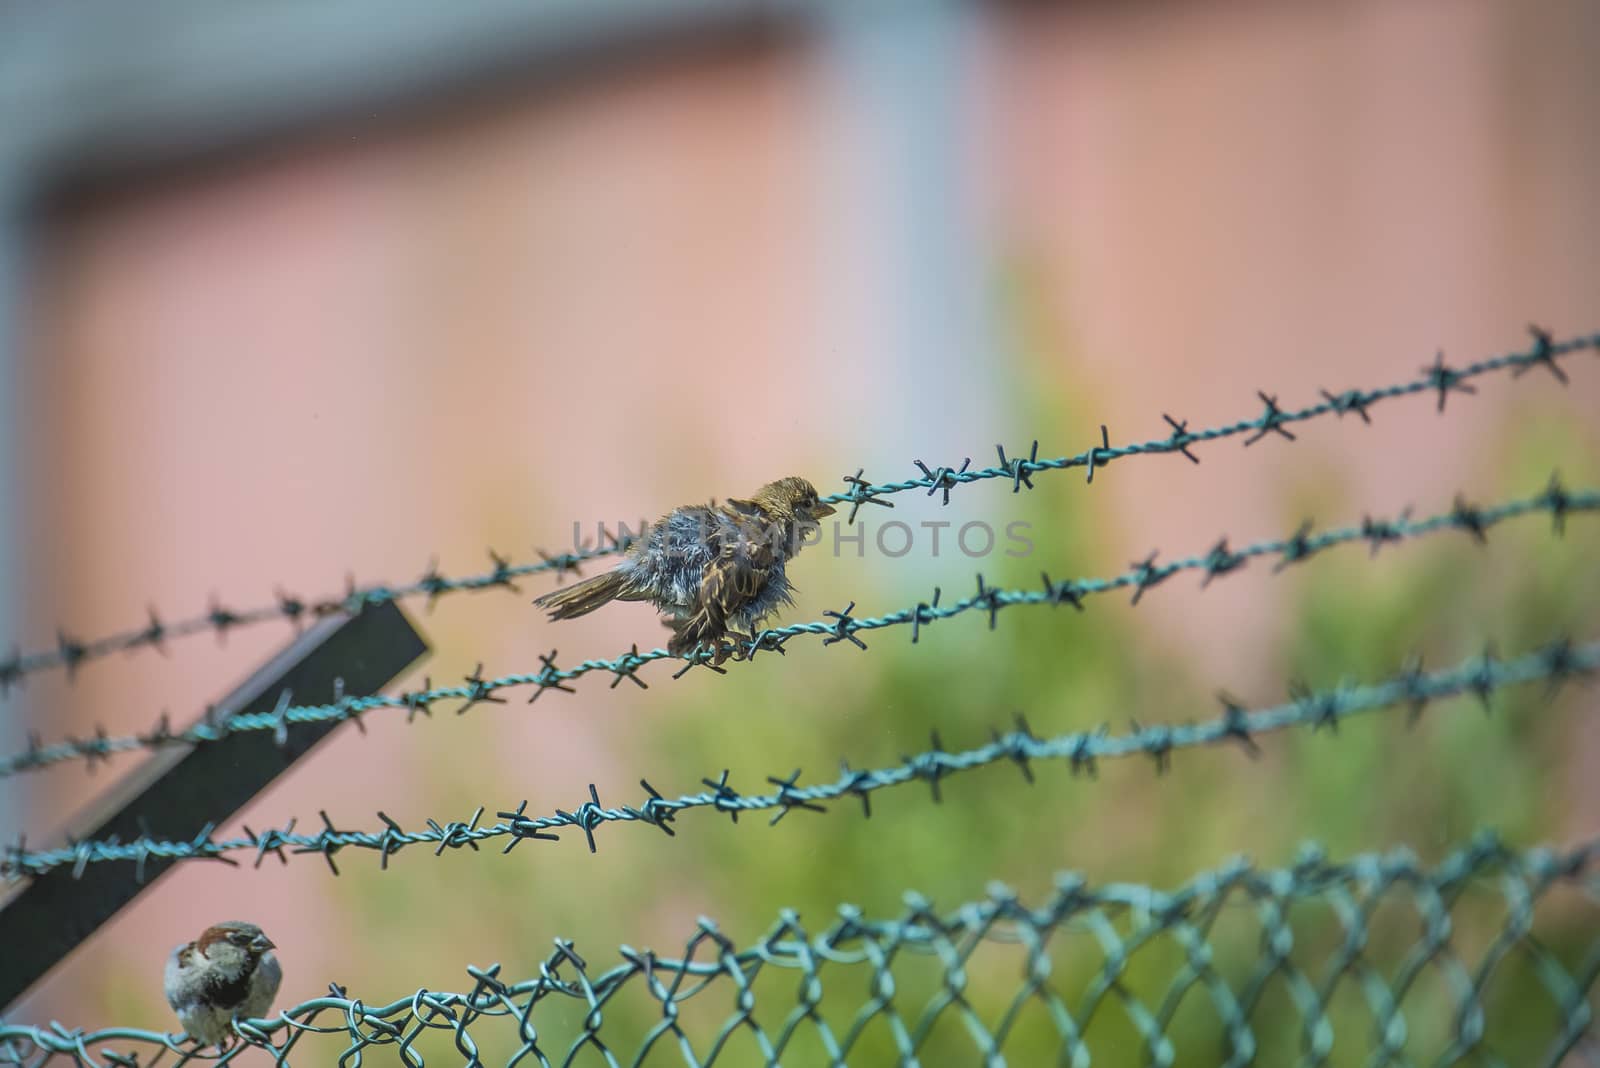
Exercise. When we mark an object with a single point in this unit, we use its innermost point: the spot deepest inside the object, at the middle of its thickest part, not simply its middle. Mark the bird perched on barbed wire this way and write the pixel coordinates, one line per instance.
(228, 972)
(715, 571)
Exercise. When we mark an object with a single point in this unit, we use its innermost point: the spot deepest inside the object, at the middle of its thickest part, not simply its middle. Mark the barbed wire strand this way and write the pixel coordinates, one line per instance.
(1556, 501)
(70, 652)
(1296, 906)
(1413, 689)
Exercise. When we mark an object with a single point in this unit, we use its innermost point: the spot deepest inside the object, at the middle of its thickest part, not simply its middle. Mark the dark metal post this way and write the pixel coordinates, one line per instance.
(179, 791)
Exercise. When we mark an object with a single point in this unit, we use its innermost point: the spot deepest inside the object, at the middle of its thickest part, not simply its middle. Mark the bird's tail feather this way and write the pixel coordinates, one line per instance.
(584, 597)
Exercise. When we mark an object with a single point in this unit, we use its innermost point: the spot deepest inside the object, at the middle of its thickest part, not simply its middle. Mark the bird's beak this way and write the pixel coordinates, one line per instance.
(261, 943)
(822, 511)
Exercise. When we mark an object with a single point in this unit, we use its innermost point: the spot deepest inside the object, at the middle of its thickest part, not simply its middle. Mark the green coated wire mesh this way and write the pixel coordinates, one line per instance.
(1489, 957)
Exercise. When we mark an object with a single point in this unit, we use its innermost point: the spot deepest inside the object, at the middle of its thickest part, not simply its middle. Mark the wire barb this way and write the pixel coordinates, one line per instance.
(1381, 531)
(944, 478)
(1021, 470)
(1543, 355)
(1067, 591)
(861, 492)
(1100, 455)
(920, 615)
(549, 678)
(1236, 725)
(990, 599)
(1146, 575)
(1470, 519)
(480, 691)
(1219, 561)
(1444, 379)
(1351, 400)
(1271, 422)
(724, 797)
(1559, 502)
(790, 797)
(842, 629)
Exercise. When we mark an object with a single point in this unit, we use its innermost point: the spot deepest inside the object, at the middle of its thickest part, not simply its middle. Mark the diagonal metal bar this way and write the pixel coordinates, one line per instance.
(186, 792)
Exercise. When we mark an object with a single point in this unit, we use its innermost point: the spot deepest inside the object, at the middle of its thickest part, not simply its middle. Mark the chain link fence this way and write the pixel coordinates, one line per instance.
(1490, 957)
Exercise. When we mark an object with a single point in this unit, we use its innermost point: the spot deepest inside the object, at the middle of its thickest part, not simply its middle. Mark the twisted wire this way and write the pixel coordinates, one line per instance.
(1080, 955)
(1413, 689)
(1556, 501)
(219, 619)
(70, 651)
(1436, 377)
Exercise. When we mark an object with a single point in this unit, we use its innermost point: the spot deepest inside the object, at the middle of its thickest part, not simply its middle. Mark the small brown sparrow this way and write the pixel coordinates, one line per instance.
(713, 570)
(228, 972)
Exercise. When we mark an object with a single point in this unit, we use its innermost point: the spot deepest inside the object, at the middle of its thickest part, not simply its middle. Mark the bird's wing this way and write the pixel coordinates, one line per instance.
(731, 580)
(734, 578)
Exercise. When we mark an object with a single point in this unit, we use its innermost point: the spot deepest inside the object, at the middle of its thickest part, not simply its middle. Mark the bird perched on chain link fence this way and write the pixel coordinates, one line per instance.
(228, 972)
